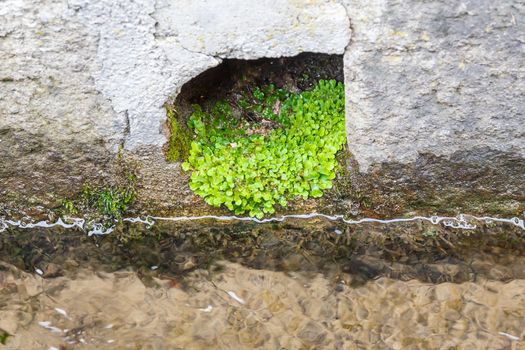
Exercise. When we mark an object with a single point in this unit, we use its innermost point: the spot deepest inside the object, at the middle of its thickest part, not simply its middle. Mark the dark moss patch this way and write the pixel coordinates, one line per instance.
(180, 137)
(107, 202)
(473, 182)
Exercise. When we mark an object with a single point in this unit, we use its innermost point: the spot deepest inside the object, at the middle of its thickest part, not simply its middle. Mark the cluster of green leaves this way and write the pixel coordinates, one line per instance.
(217, 127)
(263, 102)
(105, 202)
(110, 202)
(254, 173)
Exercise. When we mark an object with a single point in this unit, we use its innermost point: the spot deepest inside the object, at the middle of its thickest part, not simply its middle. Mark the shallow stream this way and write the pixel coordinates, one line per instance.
(302, 283)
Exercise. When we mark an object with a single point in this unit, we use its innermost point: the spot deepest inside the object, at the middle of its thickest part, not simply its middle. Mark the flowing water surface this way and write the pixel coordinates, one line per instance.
(299, 284)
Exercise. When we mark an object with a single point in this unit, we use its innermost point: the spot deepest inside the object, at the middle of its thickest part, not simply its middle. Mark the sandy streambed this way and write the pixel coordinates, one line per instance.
(236, 307)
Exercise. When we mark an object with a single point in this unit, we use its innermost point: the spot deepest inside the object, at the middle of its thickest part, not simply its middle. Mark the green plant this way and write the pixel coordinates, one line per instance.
(249, 171)
(69, 207)
(111, 202)
(105, 202)
(264, 103)
(430, 233)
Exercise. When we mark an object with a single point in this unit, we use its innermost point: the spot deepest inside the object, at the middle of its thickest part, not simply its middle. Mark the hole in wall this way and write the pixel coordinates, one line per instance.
(300, 72)
(249, 115)
(233, 77)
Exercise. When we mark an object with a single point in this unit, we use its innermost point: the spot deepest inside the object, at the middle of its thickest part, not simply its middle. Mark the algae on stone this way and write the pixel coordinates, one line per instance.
(180, 138)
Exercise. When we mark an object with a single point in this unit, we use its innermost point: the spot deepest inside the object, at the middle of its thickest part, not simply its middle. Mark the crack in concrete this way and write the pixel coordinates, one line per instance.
(350, 25)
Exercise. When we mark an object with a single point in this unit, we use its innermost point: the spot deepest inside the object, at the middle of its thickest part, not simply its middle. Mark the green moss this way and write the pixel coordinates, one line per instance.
(110, 202)
(69, 207)
(242, 165)
(180, 138)
(105, 202)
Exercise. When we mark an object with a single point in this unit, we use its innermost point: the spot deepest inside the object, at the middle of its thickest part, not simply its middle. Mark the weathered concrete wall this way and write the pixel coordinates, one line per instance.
(79, 79)
(436, 96)
(56, 128)
(148, 49)
(435, 91)
(436, 77)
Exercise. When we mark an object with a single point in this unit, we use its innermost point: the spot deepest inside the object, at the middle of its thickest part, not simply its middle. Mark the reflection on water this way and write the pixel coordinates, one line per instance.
(244, 286)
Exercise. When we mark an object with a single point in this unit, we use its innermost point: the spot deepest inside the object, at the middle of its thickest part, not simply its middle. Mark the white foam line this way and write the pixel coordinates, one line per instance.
(77, 222)
(460, 222)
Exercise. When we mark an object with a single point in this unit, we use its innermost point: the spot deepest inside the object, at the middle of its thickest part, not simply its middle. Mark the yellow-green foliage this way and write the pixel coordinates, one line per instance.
(252, 172)
(180, 139)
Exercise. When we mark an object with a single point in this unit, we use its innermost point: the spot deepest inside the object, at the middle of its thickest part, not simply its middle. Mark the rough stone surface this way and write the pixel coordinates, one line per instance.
(80, 79)
(149, 49)
(56, 128)
(436, 103)
(435, 92)
(251, 29)
(434, 77)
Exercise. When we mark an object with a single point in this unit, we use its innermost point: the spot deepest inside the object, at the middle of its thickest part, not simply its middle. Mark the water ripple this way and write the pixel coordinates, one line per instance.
(462, 221)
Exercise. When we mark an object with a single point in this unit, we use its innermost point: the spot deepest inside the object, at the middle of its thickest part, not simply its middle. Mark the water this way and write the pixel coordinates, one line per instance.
(461, 221)
(302, 282)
